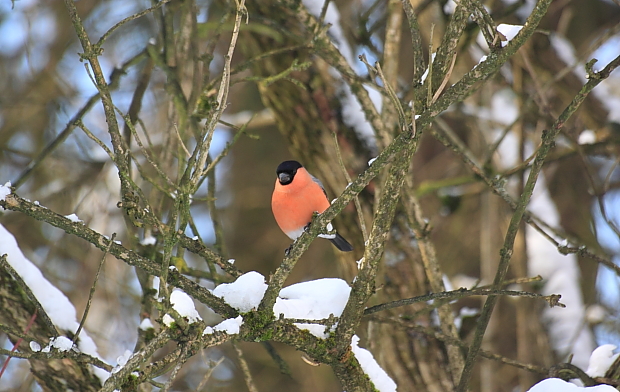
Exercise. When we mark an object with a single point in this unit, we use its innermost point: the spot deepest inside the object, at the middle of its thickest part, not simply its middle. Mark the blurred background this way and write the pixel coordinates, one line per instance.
(178, 51)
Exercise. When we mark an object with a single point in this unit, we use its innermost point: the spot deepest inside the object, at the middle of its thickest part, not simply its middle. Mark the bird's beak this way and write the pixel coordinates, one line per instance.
(284, 178)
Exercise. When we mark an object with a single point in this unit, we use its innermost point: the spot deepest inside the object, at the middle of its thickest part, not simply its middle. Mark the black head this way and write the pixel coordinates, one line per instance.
(286, 171)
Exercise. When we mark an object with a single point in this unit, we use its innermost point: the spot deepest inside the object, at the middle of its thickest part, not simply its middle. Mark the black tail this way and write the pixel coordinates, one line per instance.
(340, 243)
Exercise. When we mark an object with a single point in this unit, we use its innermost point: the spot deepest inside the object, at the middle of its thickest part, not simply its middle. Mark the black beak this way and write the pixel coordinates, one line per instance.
(284, 178)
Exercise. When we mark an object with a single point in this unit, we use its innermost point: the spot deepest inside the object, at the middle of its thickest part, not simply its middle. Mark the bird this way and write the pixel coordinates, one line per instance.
(296, 197)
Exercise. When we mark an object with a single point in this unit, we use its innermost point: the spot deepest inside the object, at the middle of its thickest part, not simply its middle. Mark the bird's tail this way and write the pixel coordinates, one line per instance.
(340, 243)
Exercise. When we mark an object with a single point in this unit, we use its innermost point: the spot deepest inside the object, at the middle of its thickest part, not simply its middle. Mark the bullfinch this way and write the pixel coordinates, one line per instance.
(296, 197)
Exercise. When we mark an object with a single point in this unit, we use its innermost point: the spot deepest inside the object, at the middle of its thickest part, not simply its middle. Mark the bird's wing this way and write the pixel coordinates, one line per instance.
(316, 180)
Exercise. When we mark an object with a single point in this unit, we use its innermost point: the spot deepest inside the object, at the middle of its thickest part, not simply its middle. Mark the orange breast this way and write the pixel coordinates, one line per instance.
(294, 204)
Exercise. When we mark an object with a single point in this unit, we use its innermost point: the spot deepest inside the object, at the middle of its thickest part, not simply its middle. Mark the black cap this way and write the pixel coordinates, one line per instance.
(286, 171)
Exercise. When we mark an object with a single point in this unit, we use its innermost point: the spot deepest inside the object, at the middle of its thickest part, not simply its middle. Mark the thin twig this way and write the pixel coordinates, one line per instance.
(245, 369)
(207, 376)
(457, 342)
(240, 131)
(129, 125)
(393, 97)
(175, 371)
(94, 138)
(328, 51)
(484, 21)
(181, 141)
(552, 299)
(8, 330)
(416, 41)
(19, 341)
(222, 96)
(430, 262)
(74, 355)
(364, 284)
(219, 245)
(358, 205)
(91, 54)
(323, 11)
(92, 289)
(282, 365)
(445, 80)
(128, 19)
(429, 75)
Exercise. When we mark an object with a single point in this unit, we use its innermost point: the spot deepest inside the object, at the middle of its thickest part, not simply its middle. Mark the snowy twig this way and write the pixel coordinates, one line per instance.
(568, 371)
(326, 321)
(15, 203)
(467, 84)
